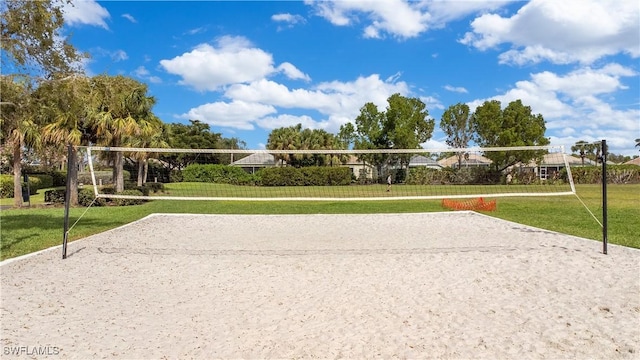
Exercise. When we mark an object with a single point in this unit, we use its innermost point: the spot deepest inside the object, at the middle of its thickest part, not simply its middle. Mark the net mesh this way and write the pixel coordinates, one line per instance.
(390, 174)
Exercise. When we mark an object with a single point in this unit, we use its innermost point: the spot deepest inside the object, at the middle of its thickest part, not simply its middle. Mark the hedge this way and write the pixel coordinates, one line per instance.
(216, 173)
(36, 182)
(106, 176)
(448, 176)
(305, 176)
(616, 174)
(86, 197)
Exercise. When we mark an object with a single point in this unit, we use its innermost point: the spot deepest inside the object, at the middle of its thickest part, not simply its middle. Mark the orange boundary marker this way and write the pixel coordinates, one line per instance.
(473, 204)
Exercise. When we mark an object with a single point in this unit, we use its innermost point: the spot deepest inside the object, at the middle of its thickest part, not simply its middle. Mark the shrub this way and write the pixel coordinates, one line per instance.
(154, 187)
(59, 178)
(427, 176)
(616, 174)
(305, 176)
(54, 196)
(216, 173)
(87, 196)
(281, 176)
(127, 202)
(40, 181)
(6, 186)
(175, 176)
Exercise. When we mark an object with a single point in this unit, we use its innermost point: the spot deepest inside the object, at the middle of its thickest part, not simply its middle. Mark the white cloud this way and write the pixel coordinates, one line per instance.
(197, 30)
(577, 105)
(114, 55)
(144, 74)
(87, 12)
(446, 11)
(284, 120)
(267, 104)
(395, 17)
(141, 71)
(458, 89)
(236, 114)
(119, 55)
(233, 60)
(590, 30)
(398, 18)
(330, 98)
(431, 102)
(130, 18)
(209, 68)
(288, 18)
(292, 72)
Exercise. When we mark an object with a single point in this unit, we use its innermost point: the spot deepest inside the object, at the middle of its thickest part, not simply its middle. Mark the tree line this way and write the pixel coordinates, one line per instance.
(405, 124)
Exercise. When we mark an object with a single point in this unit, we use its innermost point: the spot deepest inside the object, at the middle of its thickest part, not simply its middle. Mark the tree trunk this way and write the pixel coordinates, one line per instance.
(141, 174)
(118, 172)
(17, 173)
(72, 173)
(146, 171)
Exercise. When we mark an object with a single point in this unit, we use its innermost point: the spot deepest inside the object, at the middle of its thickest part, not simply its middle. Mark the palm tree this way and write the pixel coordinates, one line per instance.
(151, 135)
(63, 109)
(19, 129)
(285, 138)
(584, 148)
(118, 105)
(638, 142)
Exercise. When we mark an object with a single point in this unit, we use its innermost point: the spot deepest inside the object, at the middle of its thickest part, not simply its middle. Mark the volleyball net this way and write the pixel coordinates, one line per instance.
(319, 175)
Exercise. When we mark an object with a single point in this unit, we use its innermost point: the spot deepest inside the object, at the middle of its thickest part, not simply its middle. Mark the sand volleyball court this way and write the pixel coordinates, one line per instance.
(455, 285)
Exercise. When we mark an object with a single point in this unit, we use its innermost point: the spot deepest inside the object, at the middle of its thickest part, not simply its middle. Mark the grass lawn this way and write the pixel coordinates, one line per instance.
(27, 230)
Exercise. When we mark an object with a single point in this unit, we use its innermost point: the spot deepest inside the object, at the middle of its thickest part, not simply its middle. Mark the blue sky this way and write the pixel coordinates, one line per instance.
(246, 68)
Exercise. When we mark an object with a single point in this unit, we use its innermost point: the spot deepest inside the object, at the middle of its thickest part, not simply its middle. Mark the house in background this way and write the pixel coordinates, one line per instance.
(255, 162)
(551, 164)
(423, 161)
(360, 168)
(471, 160)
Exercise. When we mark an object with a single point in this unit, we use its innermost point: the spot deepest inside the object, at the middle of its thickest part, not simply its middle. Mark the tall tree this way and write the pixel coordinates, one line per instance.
(346, 135)
(118, 105)
(403, 125)
(284, 138)
(151, 135)
(584, 149)
(33, 47)
(195, 135)
(63, 110)
(513, 126)
(32, 40)
(18, 126)
(457, 125)
(297, 138)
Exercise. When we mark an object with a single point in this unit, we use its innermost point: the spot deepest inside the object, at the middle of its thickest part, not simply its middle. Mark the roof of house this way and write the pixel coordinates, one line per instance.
(635, 161)
(471, 159)
(257, 159)
(353, 160)
(420, 160)
(558, 159)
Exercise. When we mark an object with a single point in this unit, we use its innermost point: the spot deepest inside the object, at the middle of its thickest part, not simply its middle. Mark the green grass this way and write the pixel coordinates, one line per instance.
(27, 230)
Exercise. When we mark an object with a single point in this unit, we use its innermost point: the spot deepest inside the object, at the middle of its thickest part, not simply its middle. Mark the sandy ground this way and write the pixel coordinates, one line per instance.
(435, 285)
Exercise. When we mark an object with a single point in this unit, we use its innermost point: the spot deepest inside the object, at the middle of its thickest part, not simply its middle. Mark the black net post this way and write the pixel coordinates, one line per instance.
(67, 200)
(603, 158)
